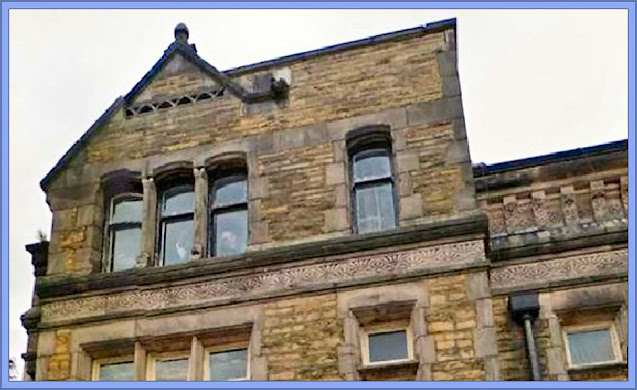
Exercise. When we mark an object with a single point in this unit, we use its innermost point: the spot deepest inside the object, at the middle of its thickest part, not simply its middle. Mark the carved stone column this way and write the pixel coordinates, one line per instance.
(200, 247)
(149, 223)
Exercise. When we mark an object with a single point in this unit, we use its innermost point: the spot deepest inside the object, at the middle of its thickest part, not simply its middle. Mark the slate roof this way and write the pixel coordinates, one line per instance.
(481, 169)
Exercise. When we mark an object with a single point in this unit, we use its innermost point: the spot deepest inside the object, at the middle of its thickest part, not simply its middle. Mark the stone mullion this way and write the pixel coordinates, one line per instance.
(140, 362)
(200, 247)
(196, 360)
(149, 222)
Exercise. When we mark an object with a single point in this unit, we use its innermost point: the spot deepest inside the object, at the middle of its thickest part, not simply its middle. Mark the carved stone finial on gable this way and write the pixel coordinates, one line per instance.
(182, 33)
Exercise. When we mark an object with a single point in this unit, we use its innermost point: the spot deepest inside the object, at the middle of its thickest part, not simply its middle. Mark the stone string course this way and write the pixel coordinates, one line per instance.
(249, 286)
(559, 269)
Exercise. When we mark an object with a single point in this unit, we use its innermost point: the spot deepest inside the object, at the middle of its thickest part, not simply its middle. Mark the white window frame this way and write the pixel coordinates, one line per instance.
(590, 327)
(226, 348)
(97, 363)
(152, 358)
(366, 333)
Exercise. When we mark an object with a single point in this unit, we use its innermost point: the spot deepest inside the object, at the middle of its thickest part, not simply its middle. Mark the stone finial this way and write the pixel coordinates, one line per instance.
(182, 33)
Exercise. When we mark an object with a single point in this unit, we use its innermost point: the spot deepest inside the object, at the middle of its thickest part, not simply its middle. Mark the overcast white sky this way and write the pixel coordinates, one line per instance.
(533, 82)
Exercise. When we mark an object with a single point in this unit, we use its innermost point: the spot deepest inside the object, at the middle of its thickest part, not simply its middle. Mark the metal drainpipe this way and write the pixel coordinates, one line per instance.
(525, 309)
(530, 348)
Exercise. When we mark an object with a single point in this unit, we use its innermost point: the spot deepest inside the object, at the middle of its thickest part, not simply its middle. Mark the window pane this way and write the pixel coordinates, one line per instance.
(127, 210)
(231, 233)
(171, 370)
(117, 372)
(388, 346)
(228, 365)
(369, 167)
(127, 246)
(591, 346)
(230, 192)
(178, 239)
(179, 203)
(375, 208)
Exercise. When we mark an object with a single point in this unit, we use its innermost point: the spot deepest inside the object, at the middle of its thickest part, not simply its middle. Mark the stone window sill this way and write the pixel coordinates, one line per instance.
(387, 366)
(593, 367)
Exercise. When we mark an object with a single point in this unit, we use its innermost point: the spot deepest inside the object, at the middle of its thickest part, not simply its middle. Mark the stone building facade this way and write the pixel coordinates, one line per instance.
(318, 217)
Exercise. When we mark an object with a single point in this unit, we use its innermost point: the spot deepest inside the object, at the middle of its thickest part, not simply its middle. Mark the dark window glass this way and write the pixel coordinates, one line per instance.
(388, 346)
(373, 188)
(229, 216)
(590, 347)
(177, 225)
(125, 232)
(117, 372)
(228, 365)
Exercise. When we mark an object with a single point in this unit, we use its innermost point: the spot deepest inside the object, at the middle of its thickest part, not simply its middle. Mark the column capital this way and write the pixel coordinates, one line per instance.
(200, 172)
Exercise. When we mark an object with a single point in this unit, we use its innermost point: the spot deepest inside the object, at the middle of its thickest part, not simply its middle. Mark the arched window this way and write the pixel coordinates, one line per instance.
(229, 213)
(176, 217)
(372, 181)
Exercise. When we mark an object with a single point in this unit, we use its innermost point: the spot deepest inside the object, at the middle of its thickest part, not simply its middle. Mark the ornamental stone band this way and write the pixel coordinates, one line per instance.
(267, 282)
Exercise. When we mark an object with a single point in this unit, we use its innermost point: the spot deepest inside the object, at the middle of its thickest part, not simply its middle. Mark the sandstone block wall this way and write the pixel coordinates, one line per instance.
(295, 150)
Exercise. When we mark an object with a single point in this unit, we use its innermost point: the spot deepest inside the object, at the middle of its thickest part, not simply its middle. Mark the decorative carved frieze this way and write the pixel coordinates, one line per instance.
(624, 193)
(569, 205)
(539, 205)
(598, 200)
(519, 215)
(266, 282)
(559, 269)
(497, 220)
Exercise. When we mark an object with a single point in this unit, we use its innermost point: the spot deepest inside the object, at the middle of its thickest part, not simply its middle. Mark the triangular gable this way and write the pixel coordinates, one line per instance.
(189, 53)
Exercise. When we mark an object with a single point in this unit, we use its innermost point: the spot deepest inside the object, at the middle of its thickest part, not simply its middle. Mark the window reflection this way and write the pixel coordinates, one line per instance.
(177, 225)
(125, 232)
(373, 189)
(171, 370)
(228, 365)
(123, 371)
(229, 230)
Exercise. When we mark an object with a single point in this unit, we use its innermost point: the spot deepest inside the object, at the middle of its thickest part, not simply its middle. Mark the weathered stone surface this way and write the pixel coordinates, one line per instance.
(271, 282)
